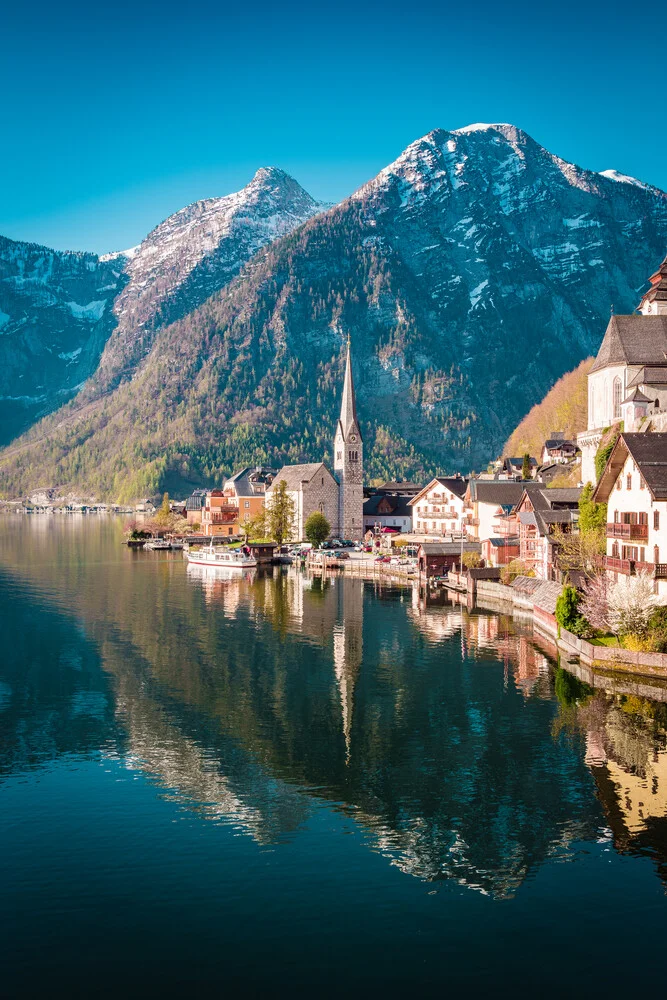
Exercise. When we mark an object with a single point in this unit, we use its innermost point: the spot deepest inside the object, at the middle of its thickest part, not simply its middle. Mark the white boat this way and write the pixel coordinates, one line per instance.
(157, 544)
(221, 557)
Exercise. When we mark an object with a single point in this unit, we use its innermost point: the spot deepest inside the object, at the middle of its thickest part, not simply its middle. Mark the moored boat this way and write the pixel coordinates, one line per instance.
(222, 557)
(158, 544)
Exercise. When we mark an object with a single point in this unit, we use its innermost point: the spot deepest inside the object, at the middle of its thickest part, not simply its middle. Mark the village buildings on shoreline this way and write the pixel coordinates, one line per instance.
(512, 513)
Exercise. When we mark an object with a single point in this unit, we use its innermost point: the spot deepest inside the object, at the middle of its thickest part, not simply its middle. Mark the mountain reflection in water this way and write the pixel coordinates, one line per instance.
(248, 699)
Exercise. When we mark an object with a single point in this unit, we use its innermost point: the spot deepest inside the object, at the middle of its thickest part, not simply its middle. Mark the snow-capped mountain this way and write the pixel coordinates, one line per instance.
(470, 274)
(193, 254)
(55, 317)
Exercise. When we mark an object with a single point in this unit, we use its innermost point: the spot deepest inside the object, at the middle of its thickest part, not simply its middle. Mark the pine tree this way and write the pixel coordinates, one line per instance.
(525, 468)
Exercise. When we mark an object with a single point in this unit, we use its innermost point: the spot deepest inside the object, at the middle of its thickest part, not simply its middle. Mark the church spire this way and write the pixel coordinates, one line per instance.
(348, 406)
(655, 299)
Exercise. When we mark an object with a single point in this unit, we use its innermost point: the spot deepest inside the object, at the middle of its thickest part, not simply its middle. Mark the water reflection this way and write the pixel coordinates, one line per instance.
(445, 733)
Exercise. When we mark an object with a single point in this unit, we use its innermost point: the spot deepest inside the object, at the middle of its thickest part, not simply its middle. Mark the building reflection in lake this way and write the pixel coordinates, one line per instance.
(250, 701)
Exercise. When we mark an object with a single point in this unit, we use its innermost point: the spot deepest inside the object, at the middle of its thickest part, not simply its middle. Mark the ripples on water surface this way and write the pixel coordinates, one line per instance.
(273, 784)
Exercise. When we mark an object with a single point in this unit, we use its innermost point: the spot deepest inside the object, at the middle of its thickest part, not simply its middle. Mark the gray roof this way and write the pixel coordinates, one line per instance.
(497, 491)
(448, 548)
(500, 543)
(633, 340)
(399, 506)
(654, 374)
(544, 593)
(637, 396)
(294, 475)
(250, 482)
(553, 444)
(649, 452)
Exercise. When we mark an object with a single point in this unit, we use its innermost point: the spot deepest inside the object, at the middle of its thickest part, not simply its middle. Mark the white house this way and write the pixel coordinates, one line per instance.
(632, 356)
(634, 487)
(438, 508)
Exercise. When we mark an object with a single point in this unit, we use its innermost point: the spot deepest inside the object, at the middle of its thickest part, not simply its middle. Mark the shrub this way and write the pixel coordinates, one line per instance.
(317, 529)
(567, 612)
(632, 603)
(513, 569)
(471, 560)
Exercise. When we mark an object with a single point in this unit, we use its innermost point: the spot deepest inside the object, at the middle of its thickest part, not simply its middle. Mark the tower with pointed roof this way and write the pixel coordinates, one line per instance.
(348, 461)
(654, 301)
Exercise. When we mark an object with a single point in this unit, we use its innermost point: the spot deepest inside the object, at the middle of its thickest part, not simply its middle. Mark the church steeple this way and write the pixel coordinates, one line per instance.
(348, 406)
(348, 460)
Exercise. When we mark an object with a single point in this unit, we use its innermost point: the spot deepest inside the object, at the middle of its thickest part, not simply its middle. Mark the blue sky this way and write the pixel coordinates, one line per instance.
(113, 116)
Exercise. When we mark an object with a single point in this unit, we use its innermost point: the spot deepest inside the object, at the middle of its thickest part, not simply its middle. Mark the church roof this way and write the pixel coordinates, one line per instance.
(348, 406)
(658, 290)
(294, 475)
(633, 340)
(650, 375)
(637, 396)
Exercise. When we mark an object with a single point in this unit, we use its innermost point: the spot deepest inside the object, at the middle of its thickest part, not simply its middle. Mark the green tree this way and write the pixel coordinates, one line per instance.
(280, 514)
(164, 518)
(567, 611)
(525, 468)
(592, 516)
(317, 528)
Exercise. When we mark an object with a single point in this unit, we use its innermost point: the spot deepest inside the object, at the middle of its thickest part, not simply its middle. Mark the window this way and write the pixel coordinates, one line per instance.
(656, 554)
(656, 521)
(246, 504)
(618, 483)
(628, 482)
(615, 517)
(617, 399)
(641, 483)
(322, 480)
(339, 454)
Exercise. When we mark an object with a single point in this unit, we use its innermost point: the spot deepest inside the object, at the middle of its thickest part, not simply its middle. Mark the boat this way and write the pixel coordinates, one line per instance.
(221, 557)
(157, 544)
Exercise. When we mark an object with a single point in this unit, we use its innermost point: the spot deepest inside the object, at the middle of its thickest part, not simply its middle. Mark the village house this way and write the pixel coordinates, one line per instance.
(219, 515)
(338, 495)
(558, 451)
(388, 511)
(438, 508)
(501, 549)
(488, 502)
(538, 513)
(436, 559)
(247, 489)
(194, 506)
(632, 356)
(514, 467)
(634, 487)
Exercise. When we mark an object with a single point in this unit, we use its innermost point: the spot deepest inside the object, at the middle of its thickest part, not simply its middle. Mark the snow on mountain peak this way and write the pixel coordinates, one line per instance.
(614, 175)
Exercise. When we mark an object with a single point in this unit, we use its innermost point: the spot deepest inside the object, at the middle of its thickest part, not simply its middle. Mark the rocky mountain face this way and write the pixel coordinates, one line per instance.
(55, 318)
(189, 257)
(471, 273)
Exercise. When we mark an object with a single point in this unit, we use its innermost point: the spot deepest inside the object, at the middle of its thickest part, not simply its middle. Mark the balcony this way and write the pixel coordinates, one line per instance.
(630, 567)
(634, 532)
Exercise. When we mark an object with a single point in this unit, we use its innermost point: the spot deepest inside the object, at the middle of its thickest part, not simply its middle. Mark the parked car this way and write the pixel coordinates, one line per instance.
(382, 559)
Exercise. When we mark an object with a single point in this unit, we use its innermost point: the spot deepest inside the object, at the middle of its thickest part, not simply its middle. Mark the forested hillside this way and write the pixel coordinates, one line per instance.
(469, 275)
(564, 408)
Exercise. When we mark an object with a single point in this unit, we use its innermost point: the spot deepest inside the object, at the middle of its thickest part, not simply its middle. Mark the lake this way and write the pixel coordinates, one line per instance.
(279, 785)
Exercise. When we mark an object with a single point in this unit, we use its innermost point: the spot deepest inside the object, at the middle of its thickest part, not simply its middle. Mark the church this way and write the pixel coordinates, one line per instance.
(628, 380)
(339, 495)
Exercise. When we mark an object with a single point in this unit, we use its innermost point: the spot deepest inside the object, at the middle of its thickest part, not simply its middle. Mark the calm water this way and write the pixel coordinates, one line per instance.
(274, 786)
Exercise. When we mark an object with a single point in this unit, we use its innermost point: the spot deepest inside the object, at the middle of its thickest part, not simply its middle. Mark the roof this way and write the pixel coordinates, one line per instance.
(506, 540)
(294, 475)
(496, 491)
(544, 593)
(348, 405)
(399, 506)
(553, 444)
(649, 452)
(399, 486)
(448, 548)
(455, 484)
(251, 481)
(658, 290)
(196, 501)
(519, 461)
(633, 340)
(650, 375)
(637, 396)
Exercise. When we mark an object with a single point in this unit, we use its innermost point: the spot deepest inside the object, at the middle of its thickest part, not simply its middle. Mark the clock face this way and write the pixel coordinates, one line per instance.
(353, 438)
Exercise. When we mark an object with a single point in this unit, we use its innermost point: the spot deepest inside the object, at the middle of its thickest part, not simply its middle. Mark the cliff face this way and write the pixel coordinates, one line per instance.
(55, 318)
(470, 274)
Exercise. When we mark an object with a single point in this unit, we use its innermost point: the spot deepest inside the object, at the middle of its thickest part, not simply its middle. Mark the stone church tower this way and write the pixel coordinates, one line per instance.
(348, 462)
